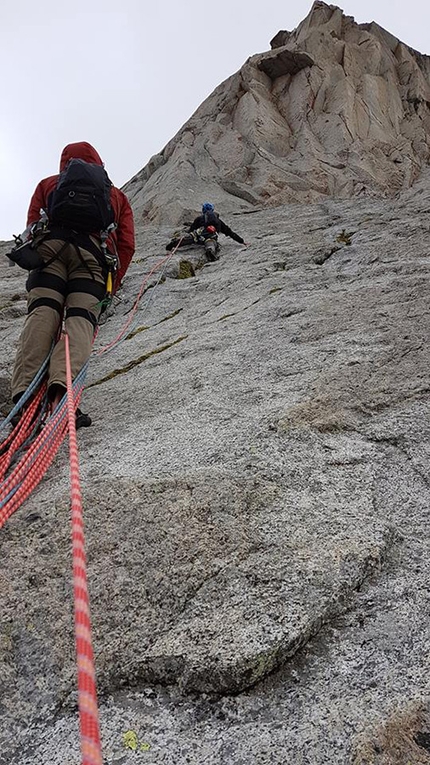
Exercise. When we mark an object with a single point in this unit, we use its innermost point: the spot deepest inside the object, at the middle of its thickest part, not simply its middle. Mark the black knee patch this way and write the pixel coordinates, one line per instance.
(47, 302)
(49, 281)
(86, 286)
(83, 313)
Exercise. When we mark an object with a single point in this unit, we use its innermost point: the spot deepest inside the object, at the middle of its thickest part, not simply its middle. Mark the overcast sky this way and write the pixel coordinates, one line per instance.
(126, 74)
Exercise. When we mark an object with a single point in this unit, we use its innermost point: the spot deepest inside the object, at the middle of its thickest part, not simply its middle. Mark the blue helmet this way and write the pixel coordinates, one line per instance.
(207, 207)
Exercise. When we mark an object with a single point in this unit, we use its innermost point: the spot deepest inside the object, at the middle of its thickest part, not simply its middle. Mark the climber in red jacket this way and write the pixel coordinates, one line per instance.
(71, 282)
(122, 239)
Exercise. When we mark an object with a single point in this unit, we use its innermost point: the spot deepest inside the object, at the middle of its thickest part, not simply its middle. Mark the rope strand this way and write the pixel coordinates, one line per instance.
(87, 697)
(163, 262)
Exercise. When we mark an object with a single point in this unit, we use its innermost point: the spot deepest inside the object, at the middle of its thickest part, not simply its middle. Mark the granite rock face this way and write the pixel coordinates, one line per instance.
(256, 501)
(336, 108)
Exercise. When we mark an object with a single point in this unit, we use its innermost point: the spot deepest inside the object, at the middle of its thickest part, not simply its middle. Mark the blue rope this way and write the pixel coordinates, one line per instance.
(29, 392)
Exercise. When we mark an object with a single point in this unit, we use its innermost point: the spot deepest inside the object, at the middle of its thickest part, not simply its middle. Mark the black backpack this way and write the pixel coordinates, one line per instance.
(81, 198)
(211, 219)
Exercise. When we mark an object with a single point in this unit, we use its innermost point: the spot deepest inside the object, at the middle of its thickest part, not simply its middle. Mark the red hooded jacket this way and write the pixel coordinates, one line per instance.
(122, 239)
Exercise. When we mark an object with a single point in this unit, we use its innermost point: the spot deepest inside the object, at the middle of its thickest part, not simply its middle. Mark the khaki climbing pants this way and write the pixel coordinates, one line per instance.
(211, 244)
(212, 248)
(73, 285)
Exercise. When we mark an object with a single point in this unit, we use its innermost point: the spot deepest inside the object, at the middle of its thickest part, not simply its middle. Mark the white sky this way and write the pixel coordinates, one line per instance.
(126, 74)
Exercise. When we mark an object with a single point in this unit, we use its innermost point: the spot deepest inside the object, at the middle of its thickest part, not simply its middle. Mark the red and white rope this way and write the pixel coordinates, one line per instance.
(87, 696)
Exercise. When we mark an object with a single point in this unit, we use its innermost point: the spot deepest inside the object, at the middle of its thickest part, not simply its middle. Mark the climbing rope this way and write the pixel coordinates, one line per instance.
(18, 438)
(122, 334)
(29, 453)
(87, 696)
(34, 385)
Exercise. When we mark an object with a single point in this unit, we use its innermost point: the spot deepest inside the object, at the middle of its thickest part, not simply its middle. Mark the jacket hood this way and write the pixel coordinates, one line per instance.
(80, 150)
